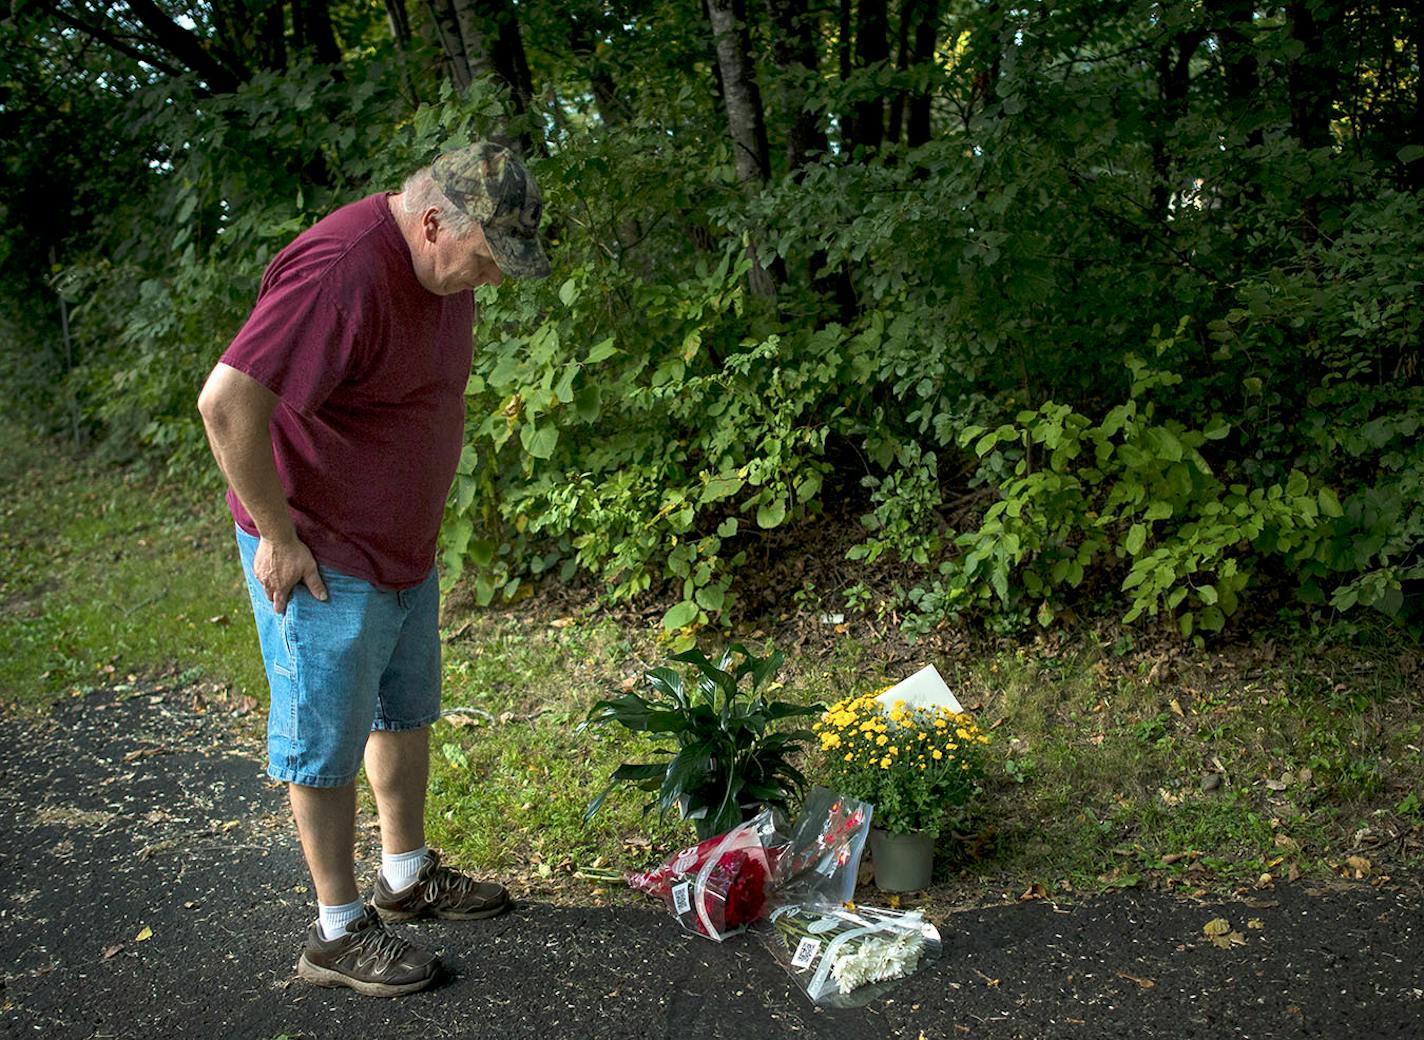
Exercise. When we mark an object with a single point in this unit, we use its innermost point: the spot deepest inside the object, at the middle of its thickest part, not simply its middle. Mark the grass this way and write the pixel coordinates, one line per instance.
(1114, 764)
(106, 575)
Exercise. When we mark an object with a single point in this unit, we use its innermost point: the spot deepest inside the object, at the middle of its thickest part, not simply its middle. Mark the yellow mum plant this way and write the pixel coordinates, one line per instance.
(913, 764)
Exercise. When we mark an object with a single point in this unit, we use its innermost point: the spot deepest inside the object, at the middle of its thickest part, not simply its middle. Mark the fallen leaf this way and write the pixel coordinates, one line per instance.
(1034, 891)
(1292, 873)
(219, 619)
(1216, 926)
(1176, 707)
(1144, 983)
(145, 933)
(991, 983)
(1359, 865)
(110, 951)
(563, 622)
(1173, 857)
(1255, 923)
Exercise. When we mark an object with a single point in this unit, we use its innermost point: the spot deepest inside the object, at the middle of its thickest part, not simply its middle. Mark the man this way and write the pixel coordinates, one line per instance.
(337, 417)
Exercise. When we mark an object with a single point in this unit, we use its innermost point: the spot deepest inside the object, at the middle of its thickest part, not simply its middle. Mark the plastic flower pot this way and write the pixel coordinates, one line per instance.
(902, 862)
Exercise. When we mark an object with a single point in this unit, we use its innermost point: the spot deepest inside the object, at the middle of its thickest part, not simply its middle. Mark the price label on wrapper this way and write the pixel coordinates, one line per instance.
(806, 952)
(681, 900)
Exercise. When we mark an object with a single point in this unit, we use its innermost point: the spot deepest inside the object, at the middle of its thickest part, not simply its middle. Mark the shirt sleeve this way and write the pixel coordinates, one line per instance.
(296, 342)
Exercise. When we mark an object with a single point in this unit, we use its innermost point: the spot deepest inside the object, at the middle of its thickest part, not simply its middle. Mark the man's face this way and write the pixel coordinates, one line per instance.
(454, 264)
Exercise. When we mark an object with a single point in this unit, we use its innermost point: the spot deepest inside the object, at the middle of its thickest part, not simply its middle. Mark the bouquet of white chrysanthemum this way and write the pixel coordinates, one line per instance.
(843, 956)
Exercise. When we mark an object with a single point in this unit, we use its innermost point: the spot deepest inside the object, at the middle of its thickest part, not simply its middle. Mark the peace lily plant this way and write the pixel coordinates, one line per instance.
(725, 755)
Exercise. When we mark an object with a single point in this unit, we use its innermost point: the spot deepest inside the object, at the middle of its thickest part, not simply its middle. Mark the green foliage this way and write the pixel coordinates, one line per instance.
(730, 759)
(1132, 491)
(643, 419)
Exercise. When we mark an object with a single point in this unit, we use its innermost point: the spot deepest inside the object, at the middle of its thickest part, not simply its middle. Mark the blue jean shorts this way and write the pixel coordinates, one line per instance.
(367, 658)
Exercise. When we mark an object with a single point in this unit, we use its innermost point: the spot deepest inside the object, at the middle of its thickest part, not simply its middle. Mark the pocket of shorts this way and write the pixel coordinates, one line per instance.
(287, 623)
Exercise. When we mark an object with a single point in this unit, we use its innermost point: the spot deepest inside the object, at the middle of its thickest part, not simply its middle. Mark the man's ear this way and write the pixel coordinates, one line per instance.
(430, 224)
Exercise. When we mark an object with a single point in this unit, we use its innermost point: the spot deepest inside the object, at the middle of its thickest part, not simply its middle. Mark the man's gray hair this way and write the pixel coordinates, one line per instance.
(420, 192)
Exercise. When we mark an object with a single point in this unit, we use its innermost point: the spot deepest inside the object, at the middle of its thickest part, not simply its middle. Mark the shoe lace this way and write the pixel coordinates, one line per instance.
(374, 943)
(445, 881)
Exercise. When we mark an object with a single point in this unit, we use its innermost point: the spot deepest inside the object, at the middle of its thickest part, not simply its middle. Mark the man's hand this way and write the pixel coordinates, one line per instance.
(281, 567)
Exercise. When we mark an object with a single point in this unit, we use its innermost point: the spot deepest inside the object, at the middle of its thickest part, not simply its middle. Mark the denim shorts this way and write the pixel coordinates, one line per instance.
(367, 658)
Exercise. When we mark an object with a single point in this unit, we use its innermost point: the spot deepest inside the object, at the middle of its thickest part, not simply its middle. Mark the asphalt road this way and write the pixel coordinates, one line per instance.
(152, 890)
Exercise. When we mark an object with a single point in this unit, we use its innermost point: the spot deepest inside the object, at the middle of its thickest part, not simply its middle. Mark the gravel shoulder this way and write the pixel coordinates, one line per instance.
(155, 889)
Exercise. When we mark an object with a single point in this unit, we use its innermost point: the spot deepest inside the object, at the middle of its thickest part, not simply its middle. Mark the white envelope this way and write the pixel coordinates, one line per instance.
(924, 689)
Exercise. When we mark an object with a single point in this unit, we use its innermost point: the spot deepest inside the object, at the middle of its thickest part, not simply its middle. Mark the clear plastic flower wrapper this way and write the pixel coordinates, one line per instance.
(821, 855)
(719, 886)
(844, 955)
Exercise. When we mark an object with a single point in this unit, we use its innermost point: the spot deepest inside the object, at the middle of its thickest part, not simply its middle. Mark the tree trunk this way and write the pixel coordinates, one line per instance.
(845, 37)
(794, 50)
(746, 123)
(319, 34)
(1311, 76)
(926, 40)
(1173, 81)
(919, 34)
(272, 37)
(474, 37)
(1414, 172)
(1232, 22)
(452, 42)
(605, 91)
(399, 20)
(511, 64)
(872, 47)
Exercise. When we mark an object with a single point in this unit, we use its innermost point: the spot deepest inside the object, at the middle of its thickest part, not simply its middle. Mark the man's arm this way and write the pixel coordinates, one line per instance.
(236, 411)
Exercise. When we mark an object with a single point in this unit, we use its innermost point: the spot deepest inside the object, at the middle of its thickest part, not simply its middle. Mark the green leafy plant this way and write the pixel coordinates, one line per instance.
(728, 759)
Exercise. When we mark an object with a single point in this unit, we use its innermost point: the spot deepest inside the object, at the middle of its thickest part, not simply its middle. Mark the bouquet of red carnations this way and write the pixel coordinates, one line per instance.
(721, 885)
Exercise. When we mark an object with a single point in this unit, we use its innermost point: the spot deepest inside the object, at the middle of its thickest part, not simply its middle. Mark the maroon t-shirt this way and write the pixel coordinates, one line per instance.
(371, 370)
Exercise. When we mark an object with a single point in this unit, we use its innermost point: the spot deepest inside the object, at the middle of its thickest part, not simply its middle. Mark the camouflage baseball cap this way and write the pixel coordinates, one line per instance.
(490, 184)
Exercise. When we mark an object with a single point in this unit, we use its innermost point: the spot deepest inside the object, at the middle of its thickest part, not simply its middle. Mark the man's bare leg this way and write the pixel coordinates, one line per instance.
(398, 768)
(326, 822)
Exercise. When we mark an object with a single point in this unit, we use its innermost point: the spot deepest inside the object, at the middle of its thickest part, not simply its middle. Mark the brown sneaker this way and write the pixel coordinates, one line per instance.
(369, 958)
(440, 892)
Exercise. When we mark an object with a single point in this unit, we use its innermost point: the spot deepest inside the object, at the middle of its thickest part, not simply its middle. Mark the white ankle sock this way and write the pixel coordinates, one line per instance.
(400, 869)
(334, 919)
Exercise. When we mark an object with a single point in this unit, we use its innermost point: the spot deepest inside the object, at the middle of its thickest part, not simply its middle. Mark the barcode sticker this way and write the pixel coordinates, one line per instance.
(806, 952)
(680, 899)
